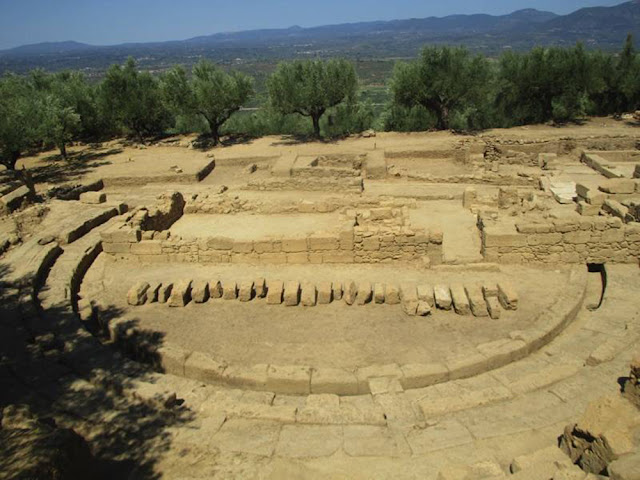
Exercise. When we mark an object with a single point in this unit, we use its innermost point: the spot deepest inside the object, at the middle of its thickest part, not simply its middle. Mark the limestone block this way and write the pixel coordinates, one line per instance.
(460, 301)
(298, 258)
(469, 197)
(587, 209)
(219, 243)
(350, 293)
(13, 200)
(153, 292)
(275, 289)
(164, 292)
(423, 375)
(423, 309)
(425, 294)
(476, 300)
(364, 374)
(618, 186)
(200, 291)
(436, 236)
(443, 297)
(93, 198)
(245, 293)
(615, 208)
(337, 290)
(138, 294)
(333, 381)
(203, 367)
(260, 287)
(364, 293)
(289, 379)
(408, 292)
(378, 293)
(180, 294)
(294, 245)
(493, 307)
(490, 290)
(325, 293)
(215, 289)
(309, 295)
(410, 307)
(392, 295)
(508, 296)
(292, 293)
(323, 242)
(229, 290)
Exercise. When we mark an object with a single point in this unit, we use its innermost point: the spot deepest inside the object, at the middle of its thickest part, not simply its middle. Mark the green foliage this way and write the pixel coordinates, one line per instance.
(134, 99)
(19, 119)
(443, 80)
(397, 118)
(58, 124)
(311, 87)
(211, 93)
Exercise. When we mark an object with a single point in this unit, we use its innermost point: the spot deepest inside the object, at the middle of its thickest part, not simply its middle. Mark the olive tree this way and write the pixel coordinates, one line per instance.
(442, 80)
(210, 92)
(311, 87)
(19, 123)
(133, 98)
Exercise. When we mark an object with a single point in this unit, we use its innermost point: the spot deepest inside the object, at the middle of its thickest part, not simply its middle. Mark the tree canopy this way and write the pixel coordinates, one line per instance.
(211, 93)
(311, 87)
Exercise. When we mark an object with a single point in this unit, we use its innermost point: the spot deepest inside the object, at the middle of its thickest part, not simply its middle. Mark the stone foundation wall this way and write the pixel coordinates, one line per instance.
(587, 240)
(329, 184)
(370, 244)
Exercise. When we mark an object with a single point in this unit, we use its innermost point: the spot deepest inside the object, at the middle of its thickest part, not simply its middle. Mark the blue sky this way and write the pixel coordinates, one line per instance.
(106, 22)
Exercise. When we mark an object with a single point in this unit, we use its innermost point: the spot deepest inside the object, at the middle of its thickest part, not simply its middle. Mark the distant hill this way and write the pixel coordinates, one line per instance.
(598, 27)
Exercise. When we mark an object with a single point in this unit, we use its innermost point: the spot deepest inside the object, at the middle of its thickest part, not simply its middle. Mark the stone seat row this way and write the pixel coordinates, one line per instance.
(479, 300)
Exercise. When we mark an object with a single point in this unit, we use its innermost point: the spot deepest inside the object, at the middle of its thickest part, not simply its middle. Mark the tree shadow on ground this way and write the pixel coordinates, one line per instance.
(291, 140)
(51, 364)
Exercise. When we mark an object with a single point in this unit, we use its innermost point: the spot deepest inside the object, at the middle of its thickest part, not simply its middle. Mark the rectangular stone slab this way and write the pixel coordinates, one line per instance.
(443, 297)
(392, 295)
(308, 297)
(425, 293)
(275, 289)
(350, 293)
(325, 293)
(337, 290)
(229, 290)
(291, 293)
(378, 293)
(200, 291)
(180, 294)
(508, 296)
(215, 289)
(476, 301)
(138, 294)
(460, 300)
(364, 293)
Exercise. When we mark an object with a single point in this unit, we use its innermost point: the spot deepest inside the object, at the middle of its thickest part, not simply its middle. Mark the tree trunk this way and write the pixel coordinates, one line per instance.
(316, 124)
(215, 133)
(443, 118)
(63, 150)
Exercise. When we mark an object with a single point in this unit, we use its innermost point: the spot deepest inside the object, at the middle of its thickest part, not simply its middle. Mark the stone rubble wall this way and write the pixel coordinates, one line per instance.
(587, 240)
(480, 179)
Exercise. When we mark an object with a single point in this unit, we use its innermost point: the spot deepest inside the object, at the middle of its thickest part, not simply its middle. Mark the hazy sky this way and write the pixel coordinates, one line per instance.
(105, 22)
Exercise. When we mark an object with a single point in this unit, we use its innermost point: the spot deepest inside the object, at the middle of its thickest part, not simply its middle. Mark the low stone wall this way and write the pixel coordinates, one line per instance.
(480, 179)
(328, 184)
(588, 239)
(370, 244)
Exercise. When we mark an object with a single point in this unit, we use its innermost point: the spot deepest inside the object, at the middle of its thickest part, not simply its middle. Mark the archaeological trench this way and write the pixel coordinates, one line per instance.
(423, 306)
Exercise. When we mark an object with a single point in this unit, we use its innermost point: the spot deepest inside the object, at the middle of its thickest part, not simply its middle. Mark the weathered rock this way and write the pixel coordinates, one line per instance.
(476, 300)
(425, 293)
(275, 290)
(493, 307)
(350, 293)
(423, 309)
(392, 295)
(229, 290)
(180, 294)
(325, 293)
(364, 293)
(93, 198)
(443, 297)
(153, 292)
(508, 296)
(245, 294)
(138, 294)
(165, 292)
(260, 287)
(632, 384)
(460, 300)
(215, 289)
(308, 297)
(200, 291)
(378, 293)
(337, 290)
(618, 186)
(292, 293)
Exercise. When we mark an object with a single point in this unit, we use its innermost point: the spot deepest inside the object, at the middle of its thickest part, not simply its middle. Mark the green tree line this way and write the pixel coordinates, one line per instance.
(445, 88)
